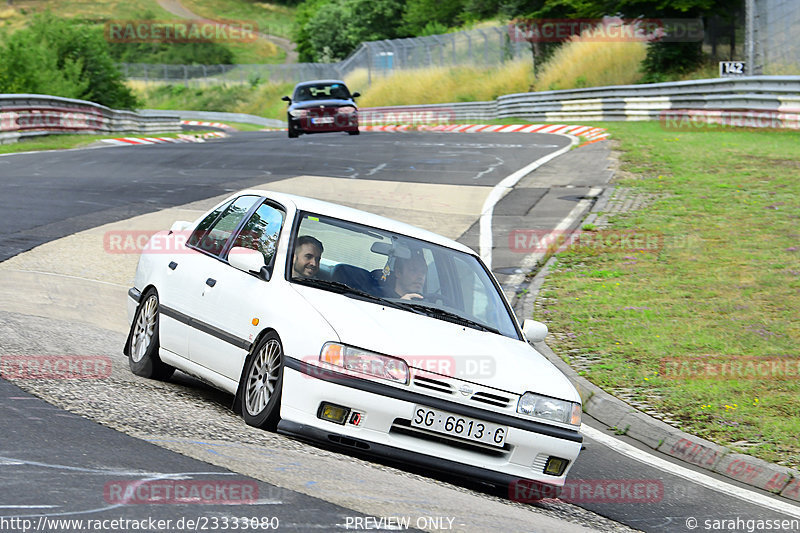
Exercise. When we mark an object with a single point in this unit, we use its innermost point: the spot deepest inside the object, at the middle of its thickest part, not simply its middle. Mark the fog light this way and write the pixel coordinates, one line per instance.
(333, 413)
(555, 466)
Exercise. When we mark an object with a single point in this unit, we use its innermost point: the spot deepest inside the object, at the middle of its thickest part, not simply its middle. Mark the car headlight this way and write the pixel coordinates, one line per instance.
(549, 409)
(298, 113)
(364, 362)
(346, 110)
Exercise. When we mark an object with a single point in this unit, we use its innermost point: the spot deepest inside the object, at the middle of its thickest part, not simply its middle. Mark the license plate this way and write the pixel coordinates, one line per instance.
(322, 120)
(459, 426)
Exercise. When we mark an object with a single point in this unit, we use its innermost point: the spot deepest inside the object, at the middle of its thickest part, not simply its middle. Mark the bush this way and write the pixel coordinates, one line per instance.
(55, 57)
(665, 60)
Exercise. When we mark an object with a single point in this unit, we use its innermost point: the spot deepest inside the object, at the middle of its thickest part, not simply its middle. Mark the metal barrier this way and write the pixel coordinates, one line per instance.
(28, 115)
(775, 95)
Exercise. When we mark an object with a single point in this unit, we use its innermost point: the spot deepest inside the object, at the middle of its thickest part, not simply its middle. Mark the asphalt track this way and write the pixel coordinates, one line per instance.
(51, 195)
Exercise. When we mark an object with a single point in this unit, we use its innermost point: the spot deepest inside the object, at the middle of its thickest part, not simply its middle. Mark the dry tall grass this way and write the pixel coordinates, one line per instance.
(585, 63)
(442, 85)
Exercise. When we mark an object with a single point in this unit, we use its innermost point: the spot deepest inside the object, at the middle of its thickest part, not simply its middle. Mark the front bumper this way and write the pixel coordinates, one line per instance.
(339, 123)
(383, 430)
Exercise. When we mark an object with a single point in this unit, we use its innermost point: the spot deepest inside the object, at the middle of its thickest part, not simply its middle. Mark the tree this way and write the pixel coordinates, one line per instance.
(53, 56)
(421, 14)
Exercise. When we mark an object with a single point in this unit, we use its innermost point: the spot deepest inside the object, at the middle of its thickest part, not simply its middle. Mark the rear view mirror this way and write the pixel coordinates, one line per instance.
(179, 226)
(534, 331)
(390, 249)
(356, 95)
(246, 259)
(286, 99)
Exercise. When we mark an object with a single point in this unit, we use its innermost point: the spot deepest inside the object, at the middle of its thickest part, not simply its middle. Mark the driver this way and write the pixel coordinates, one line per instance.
(307, 254)
(409, 276)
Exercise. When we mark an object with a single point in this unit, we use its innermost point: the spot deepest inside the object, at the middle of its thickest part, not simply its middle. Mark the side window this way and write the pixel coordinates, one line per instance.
(214, 231)
(261, 231)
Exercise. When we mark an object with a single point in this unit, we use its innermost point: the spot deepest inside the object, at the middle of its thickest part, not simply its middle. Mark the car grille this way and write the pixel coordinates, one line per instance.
(450, 386)
(491, 399)
(540, 462)
(433, 384)
(403, 427)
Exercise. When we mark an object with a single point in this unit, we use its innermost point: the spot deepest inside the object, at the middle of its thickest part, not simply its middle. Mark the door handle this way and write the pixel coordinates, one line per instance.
(211, 282)
(173, 265)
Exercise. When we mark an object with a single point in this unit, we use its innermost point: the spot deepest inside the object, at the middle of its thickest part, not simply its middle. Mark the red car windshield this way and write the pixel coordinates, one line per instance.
(322, 91)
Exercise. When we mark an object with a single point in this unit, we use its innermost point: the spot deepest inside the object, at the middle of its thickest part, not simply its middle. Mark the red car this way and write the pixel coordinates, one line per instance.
(321, 106)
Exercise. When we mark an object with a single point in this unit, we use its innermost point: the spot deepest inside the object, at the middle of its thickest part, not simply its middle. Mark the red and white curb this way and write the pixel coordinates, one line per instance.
(206, 124)
(589, 133)
(183, 138)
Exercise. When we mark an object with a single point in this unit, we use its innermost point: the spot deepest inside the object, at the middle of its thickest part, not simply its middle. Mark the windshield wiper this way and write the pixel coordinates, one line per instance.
(437, 312)
(344, 288)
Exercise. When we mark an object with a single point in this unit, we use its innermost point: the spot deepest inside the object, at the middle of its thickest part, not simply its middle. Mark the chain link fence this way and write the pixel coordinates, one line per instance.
(774, 47)
(485, 47)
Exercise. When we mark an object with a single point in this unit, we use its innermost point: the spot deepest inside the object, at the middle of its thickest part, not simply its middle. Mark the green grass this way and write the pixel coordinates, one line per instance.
(66, 141)
(262, 100)
(272, 19)
(724, 282)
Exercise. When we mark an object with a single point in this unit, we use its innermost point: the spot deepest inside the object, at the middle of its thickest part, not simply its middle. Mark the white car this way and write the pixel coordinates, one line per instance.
(390, 340)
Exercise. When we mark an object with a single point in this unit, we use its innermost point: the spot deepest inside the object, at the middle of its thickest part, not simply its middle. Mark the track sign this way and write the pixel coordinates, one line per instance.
(731, 69)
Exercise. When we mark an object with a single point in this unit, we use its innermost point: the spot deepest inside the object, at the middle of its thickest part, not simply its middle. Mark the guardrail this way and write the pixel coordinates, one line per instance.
(703, 100)
(28, 115)
(219, 116)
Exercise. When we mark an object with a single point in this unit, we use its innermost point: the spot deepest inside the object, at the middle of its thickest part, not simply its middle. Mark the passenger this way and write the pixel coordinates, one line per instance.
(409, 276)
(307, 254)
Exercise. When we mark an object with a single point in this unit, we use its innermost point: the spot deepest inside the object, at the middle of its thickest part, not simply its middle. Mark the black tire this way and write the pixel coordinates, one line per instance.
(143, 349)
(356, 132)
(293, 133)
(262, 382)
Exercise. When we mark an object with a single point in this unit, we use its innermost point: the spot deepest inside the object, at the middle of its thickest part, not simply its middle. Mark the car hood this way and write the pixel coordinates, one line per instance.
(306, 104)
(476, 356)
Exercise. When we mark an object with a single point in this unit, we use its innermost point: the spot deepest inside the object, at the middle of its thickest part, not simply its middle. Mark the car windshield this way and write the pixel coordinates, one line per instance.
(410, 274)
(321, 91)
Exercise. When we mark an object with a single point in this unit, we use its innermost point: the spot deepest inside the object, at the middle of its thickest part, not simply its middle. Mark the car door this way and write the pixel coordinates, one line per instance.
(179, 287)
(186, 271)
(236, 305)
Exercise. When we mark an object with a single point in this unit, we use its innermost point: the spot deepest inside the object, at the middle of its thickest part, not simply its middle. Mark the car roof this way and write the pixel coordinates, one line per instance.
(315, 82)
(303, 203)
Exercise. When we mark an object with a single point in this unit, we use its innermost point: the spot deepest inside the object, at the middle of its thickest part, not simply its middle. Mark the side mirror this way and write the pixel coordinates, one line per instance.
(287, 99)
(356, 95)
(534, 331)
(179, 226)
(246, 259)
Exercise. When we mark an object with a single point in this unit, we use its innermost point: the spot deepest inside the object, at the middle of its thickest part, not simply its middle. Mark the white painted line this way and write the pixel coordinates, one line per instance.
(695, 477)
(28, 506)
(487, 211)
(66, 276)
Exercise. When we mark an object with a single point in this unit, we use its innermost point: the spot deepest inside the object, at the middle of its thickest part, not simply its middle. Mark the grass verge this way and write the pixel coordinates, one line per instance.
(272, 19)
(64, 142)
(722, 285)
